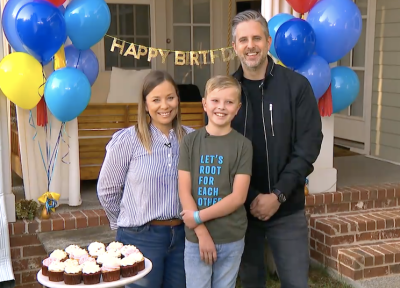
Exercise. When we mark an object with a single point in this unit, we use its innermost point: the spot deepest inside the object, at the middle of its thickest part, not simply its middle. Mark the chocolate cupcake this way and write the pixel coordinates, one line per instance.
(139, 260)
(72, 274)
(110, 270)
(91, 273)
(56, 271)
(46, 263)
(128, 267)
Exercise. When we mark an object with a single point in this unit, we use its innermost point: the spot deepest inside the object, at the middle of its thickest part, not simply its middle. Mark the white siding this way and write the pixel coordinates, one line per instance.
(385, 120)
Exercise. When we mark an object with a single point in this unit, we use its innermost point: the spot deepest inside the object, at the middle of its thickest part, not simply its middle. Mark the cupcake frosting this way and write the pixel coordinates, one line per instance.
(46, 262)
(127, 261)
(59, 254)
(57, 267)
(78, 253)
(90, 268)
(104, 258)
(96, 248)
(71, 248)
(86, 259)
(114, 246)
(137, 256)
(111, 264)
(128, 249)
(72, 269)
(71, 262)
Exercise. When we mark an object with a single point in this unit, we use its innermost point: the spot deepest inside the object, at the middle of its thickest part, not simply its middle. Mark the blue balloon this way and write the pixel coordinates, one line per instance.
(8, 22)
(62, 9)
(294, 42)
(67, 93)
(273, 25)
(318, 73)
(41, 27)
(87, 22)
(85, 60)
(337, 25)
(345, 87)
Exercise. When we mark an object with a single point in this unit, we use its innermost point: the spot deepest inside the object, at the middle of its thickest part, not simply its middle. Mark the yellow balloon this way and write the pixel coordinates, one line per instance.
(21, 79)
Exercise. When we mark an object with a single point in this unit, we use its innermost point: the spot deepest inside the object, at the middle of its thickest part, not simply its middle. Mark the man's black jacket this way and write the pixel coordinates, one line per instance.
(293, 138)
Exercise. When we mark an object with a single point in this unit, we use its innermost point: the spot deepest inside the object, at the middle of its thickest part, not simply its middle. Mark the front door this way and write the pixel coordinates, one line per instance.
(352, 125)
(189, 28)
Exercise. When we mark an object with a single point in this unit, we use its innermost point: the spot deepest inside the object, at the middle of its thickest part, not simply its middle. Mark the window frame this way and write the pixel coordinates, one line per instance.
(153, 43)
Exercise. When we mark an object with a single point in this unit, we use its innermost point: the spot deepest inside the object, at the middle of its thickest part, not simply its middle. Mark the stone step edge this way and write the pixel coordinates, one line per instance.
(368, 260)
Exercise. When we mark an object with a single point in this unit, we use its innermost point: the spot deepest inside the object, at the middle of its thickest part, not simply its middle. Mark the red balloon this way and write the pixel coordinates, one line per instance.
(57, 3)
(302, 6)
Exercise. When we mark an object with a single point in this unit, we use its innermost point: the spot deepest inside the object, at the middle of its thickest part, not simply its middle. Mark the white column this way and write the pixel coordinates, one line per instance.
(324, 177)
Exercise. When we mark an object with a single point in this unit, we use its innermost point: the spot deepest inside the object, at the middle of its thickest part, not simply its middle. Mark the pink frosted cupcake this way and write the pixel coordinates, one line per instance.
(110, 270)
(46, 263)
(59, 254)
(77, 254)
(128, 250)
(115, 246)
(86, 259)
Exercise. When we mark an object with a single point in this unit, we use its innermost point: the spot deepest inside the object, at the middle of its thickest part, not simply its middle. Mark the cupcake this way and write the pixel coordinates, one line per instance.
(91, 273)
(128, 249)
(72, 274)
(115, 246)
(86, 259)
(59, 254)
(70, 248)
(96, 249)
(77, 254)
(45, 265)
(128, 267)
(139, 260)
(56, 271)
(71, 262)
(110, 270)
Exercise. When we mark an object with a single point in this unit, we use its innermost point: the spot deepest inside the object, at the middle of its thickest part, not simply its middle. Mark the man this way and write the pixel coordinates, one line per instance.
(280, 116)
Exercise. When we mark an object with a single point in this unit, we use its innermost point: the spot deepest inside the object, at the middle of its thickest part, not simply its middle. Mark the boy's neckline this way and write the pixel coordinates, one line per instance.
(217, 135)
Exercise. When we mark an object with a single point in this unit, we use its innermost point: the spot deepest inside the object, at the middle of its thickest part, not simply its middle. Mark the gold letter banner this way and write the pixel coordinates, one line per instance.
(181, 57)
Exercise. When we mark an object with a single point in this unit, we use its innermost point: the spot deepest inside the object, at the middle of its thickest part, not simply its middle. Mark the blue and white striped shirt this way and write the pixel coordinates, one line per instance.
(135, 187)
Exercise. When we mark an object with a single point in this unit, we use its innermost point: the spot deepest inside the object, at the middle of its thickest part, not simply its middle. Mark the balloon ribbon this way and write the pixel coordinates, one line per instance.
(49, 199)
(325, 103)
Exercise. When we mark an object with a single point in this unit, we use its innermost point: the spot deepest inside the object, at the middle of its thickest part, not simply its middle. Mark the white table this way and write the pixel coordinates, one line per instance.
(44, 280)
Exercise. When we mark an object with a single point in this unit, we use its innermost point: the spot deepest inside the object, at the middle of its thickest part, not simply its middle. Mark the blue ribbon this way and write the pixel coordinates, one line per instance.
(50, 204)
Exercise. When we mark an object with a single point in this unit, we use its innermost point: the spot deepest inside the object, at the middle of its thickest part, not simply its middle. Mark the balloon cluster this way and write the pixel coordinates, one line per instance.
(37, 30)
(331, 31)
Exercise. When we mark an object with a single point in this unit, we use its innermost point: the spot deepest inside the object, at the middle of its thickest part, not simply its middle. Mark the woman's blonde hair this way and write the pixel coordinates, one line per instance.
(152, 80)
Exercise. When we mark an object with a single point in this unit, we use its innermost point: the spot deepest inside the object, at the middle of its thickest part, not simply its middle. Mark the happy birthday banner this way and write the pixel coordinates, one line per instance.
(181, 57)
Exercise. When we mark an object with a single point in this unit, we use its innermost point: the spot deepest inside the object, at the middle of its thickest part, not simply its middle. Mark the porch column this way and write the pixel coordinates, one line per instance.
(5, 152)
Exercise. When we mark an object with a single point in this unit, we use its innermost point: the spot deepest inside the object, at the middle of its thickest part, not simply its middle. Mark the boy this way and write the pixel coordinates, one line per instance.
(214, 175)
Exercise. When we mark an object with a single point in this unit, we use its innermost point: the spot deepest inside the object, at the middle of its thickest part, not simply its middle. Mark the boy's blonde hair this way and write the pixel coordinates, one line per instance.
(221, 82)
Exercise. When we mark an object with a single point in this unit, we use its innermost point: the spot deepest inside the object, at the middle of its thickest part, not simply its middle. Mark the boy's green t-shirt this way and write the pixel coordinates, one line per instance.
(213, 162)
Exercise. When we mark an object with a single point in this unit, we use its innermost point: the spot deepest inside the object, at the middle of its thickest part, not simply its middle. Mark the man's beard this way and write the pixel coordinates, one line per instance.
(253, 65)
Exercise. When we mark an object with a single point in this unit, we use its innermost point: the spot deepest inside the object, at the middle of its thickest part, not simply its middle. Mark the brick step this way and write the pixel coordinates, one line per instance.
(355, 198)
(356, 243)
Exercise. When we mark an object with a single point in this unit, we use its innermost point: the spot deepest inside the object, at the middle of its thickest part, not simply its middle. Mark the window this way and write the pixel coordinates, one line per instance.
(129, 22)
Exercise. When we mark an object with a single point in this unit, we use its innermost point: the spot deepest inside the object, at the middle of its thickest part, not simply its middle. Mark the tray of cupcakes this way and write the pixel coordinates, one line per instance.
(98, 264)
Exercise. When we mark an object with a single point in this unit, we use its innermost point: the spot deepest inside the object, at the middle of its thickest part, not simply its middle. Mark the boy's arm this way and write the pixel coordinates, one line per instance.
(241, 185)
(185, 183)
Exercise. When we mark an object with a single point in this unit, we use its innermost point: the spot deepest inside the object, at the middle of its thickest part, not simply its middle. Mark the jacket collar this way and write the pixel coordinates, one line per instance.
(270, 69)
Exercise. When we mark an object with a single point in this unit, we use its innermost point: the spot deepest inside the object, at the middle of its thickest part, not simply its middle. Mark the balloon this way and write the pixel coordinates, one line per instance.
(318, 73)
(85, 60)
(62, 10)
(294, 42)
(56, 3)
(67, 93)
(8, 22)
(87, 22)
(21, 79)
(337, 25)
(302, 6)
(273, 24)
(41, 27)
(345, 87)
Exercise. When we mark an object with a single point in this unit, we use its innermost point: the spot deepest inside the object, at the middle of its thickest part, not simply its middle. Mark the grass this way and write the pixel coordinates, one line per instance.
(318, 278)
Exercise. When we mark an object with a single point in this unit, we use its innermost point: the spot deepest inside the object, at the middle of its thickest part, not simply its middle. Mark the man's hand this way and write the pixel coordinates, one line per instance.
(187, 217)
(264, 206)
(208, 253)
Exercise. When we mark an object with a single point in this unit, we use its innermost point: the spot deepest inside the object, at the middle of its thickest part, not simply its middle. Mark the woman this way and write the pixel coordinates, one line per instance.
(138, 183)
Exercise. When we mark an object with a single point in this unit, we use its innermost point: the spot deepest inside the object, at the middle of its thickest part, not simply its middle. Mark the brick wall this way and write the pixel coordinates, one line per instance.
(27, 252)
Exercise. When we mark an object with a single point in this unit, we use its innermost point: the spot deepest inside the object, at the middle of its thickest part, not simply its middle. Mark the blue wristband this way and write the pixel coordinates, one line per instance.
(196, 216)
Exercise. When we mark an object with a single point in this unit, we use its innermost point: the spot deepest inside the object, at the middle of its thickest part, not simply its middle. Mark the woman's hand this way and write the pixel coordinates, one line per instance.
(208, 253)
(187, 217)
